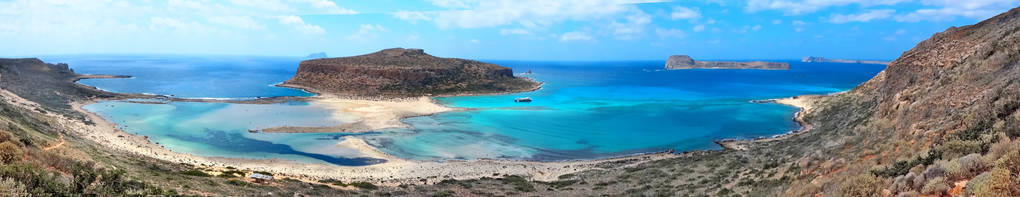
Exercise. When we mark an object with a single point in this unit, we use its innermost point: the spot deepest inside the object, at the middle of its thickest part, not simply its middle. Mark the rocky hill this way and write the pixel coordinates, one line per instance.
(686, 62)
(52, 85)
(402, 72)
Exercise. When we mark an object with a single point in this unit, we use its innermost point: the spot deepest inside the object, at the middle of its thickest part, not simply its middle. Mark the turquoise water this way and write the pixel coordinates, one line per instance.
(585, 110)
(600, 109)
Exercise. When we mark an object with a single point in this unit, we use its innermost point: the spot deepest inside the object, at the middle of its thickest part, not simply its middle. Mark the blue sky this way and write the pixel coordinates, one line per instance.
(589, 30)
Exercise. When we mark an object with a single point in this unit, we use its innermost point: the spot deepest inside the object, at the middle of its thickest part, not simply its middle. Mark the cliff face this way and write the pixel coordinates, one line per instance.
(686, 62)
(405, 73)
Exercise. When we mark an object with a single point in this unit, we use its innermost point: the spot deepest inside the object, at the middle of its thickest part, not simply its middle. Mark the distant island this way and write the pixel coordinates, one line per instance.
(822, 59)
(316, 55)
(403, 73)
(686, 62)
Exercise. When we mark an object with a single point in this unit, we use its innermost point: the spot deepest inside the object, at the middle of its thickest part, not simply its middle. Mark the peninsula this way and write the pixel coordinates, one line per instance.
(822, 59)
(686, 62)
(405, 73)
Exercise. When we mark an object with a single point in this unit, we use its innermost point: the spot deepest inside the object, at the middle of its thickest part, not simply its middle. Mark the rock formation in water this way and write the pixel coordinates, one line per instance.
(402, 72)
(822, 59)
(686, 62)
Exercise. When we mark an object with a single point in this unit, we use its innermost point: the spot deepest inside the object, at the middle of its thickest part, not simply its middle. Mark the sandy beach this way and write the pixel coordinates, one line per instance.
(371, 114)
(805, 103)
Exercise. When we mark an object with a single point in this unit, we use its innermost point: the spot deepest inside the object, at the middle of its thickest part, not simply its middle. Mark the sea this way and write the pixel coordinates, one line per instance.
(584, 110)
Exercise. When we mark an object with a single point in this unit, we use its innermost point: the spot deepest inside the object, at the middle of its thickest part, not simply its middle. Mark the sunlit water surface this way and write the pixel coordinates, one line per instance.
(585, 110)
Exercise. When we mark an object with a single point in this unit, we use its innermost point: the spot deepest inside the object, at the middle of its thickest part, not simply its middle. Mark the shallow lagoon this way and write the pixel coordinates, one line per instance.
(585, 110)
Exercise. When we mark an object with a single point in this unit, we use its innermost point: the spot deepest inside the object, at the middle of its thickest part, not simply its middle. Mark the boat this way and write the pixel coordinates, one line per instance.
(524, 99)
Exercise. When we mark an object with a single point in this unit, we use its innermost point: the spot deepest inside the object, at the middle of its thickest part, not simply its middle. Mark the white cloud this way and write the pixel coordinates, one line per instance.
(798, 25)
(452, 3)
(950, 9)
(777, 21)
(575, 36)
(698, 28)
(684, 13)
(367, 32)
(514, 31)
(242, 22)
(327, 7)
(861, 17)
(796, 7)
(300, 25)
(477, 14)
(411, 16)
(632, 26)
(474, 41)
(756, 28)
(125, 21)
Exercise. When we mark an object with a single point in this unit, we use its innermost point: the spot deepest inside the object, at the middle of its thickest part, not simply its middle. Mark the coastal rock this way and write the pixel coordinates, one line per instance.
(402, 72)
(686, 62)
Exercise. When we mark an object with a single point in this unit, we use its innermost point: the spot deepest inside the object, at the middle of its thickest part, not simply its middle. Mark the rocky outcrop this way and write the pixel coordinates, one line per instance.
(402, 72)
(822, 59)
(686, 62)
(52, 85)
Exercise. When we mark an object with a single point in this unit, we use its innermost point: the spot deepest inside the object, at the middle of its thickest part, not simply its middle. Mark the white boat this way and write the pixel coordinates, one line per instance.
(524, 99)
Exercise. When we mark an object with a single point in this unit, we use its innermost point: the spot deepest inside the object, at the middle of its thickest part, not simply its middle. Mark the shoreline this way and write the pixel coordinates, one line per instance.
(394, 171)
(804, 103)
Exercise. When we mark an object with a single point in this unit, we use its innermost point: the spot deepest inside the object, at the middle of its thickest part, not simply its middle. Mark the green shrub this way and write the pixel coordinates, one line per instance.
(957, 148)
(5, 136)
(364, 185)
(519, 183)
(9, 153)
(936, 186)
(971, 165)
(994, 183)
(195, 172)
(862, 185)
(12, 188)
(1010, 162)
(236, 182)
(264, 172)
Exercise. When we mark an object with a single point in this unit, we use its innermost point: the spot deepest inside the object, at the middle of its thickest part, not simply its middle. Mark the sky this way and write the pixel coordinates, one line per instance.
(562, 30)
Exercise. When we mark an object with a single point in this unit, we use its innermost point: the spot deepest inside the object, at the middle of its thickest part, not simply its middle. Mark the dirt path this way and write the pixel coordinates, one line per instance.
(58, 145)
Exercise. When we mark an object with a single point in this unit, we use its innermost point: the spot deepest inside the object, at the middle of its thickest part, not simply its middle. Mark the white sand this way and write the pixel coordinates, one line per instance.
(379, 114)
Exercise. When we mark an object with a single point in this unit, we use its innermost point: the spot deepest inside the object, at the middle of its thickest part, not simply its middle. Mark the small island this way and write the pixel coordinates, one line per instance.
(686, 62)
(316, 55)
(822, 59)
(405, 73)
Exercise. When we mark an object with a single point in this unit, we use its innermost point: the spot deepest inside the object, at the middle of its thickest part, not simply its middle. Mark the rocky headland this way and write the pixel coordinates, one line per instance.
(686, 62)
(848, 61)
(405, 73)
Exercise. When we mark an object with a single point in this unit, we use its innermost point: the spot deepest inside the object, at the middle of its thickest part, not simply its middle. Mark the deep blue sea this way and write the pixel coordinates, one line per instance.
(585, 110)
